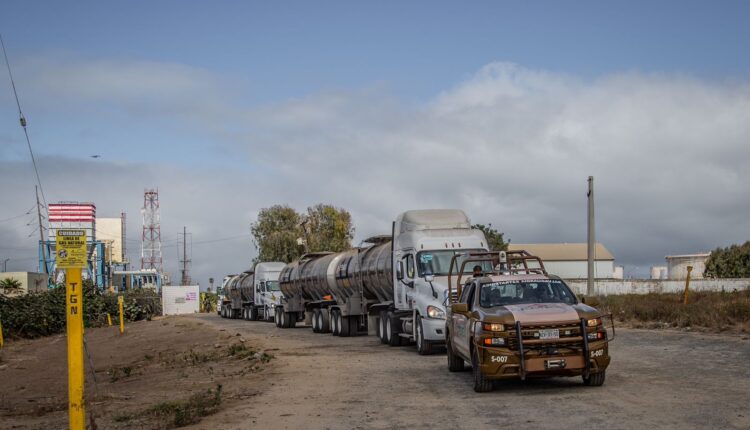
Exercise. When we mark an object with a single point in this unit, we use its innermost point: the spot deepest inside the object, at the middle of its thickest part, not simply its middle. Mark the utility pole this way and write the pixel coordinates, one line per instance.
(591, 239)
(5, 264)
(185, 261)
(41, 230)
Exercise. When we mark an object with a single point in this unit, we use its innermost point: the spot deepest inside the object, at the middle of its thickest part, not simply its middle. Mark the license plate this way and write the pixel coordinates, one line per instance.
(550, 333)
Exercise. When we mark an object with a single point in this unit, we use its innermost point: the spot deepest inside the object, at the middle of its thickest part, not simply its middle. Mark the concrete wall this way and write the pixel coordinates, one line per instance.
(579, 269)
(606, 287)
(30, 281)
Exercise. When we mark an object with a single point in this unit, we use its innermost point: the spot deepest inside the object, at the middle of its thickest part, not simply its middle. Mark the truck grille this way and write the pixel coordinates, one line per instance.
(570, 335)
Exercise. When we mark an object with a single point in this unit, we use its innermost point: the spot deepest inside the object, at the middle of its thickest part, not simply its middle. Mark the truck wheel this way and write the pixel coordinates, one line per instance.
(335, 323)
(392, 329)
(595, 379)
(284, 320)
(277, 317)
(353, 325)
(252, 313)
(381, 327)
(344, 325)
(324, 324)
(481, 383)
(315, 320)
(424, 347)
(455, 363)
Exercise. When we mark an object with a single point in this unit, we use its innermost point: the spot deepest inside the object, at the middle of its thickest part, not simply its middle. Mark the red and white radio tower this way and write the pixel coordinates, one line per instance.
(151, 239)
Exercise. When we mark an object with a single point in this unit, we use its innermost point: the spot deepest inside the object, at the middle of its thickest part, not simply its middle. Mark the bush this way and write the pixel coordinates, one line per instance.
(43, 313)
(713, 310)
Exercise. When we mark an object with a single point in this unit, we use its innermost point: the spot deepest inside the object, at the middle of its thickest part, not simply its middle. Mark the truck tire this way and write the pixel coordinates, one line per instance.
(315, 320)
(253, 313)
(424, 347)
(455, 363)
(277, 317)
(344, 325)
(324, 323)
(595, 379)
(481, 383)
(335, 322)
(381, 327)
(353, 325)
(284, 319)
(392, 329)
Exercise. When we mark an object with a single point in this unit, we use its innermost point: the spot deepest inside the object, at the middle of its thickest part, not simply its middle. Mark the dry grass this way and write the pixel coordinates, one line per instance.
(715, 311)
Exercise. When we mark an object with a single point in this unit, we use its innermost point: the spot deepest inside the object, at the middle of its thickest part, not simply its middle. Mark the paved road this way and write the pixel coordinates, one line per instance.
(658, 379)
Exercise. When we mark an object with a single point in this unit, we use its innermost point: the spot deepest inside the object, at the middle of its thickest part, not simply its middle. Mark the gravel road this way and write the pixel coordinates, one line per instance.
(658, 379)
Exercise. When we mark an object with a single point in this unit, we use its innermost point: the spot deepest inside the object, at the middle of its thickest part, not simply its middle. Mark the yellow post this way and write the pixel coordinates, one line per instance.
(74, 300)
(109, 319)
(120, 302)
(687, 285)
(2, 342)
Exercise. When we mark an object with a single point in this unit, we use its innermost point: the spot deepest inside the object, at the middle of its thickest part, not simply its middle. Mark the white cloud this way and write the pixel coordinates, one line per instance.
(511, 146)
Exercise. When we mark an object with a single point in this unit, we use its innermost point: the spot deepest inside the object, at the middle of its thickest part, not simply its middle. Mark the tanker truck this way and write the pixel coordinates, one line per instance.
(253, 294)
(395, 288)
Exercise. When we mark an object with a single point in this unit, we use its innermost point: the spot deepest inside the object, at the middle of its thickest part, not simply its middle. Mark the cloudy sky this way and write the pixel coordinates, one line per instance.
(501, 109)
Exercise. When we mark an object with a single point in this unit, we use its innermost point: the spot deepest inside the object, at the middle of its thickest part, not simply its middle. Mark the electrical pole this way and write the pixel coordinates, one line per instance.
(41, 230)
(185, 261)
(591, 239)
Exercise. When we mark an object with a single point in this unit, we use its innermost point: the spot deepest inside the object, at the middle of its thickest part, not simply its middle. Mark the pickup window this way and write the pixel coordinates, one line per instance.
(525, 292)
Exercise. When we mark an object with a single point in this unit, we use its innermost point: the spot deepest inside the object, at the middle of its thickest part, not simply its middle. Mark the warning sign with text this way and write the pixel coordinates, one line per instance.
(70, 249)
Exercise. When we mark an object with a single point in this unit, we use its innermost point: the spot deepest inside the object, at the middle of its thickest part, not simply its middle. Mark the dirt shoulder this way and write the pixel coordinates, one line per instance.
(156, 371)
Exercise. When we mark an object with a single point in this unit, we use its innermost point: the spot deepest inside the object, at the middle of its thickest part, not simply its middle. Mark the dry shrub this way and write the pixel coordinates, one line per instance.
(713, 310)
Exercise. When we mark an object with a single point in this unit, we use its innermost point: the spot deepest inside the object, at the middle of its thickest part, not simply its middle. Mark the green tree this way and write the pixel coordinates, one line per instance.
(276, 232)
(730, 262)
(10, 286)
(495, 241)
(327, 228)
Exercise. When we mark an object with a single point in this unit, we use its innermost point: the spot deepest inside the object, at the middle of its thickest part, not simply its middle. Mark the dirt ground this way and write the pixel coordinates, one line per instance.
(158, 361)
(658, 379)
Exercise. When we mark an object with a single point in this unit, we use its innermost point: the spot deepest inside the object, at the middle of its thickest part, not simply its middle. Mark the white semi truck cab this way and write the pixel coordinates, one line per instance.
(268, 295)
(424, 242)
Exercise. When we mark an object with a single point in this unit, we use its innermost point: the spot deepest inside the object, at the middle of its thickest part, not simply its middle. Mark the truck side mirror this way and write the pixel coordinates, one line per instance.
(459, 308)
(400, 270)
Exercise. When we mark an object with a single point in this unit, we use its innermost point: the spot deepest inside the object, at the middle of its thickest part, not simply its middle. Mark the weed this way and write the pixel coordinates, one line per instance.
(193, 357)
(117, 373)
(712, 310)
(188, 411)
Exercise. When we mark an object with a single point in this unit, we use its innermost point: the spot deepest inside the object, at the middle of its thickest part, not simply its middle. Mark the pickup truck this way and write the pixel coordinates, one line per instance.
(517, 321)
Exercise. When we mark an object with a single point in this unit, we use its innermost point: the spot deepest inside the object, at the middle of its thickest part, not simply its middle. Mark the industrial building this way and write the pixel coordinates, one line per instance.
(570, 260)
(677, 265)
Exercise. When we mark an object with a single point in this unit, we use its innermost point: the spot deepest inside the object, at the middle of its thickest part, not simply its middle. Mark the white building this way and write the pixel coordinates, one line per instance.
(570, 260)
(677, 265)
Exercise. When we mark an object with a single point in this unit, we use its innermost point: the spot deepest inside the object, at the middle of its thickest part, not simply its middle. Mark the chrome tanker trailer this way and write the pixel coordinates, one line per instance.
(358, 289)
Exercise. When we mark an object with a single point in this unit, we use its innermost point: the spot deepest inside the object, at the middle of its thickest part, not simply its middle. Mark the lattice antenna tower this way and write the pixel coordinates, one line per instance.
(151, 239)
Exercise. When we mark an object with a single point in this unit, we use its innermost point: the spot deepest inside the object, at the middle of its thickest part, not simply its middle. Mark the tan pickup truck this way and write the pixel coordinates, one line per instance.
(519, 322)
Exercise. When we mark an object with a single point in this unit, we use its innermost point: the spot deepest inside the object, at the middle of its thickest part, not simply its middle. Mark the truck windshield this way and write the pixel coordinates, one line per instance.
(438, 263)
(525, 292)
(272, 285)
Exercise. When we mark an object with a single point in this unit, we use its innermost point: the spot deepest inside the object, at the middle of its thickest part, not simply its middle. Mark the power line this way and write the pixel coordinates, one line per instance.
(22, 119)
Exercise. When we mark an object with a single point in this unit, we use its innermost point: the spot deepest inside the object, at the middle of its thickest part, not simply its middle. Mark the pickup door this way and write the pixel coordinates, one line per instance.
(461, 323)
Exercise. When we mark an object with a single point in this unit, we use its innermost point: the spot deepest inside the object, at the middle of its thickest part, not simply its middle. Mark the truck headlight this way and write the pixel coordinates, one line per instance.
(594, 322)
(493, 327)
(435, 312)
(494, 341)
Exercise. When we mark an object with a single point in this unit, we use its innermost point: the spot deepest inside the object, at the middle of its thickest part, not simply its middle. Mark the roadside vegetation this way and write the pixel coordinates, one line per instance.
(714, 311)
(43, 313)
(729, 262)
